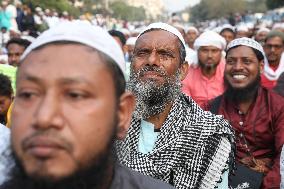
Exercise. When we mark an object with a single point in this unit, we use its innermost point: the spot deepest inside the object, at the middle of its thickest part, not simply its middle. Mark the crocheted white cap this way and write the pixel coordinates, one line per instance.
(245, 41)
(166, 27)
(84, 33)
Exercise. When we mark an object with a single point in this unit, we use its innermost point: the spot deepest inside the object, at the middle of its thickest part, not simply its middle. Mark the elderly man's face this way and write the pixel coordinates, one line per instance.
(156, 72)
(65, 112)
(191, 35)
(242, 67)
(209, 56)
(157, 49)
(273, 48)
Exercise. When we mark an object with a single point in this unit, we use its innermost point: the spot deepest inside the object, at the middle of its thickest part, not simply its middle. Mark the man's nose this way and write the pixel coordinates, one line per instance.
(48, 113)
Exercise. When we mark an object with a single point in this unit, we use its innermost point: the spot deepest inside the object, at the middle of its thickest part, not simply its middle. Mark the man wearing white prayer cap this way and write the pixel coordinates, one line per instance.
(261, 35)
(205, 80)
(255, 113)
(242, 31)
(70, 106)
(171, 137)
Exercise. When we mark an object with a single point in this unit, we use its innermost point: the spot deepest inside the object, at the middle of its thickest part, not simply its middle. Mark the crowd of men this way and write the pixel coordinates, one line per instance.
(164, 106)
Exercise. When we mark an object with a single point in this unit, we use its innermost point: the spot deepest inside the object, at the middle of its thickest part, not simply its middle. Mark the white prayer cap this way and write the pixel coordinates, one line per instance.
(192, 28)
(38, 9)
(242, 28)
(84, 33)
(262, 30)
(229, 26)
(210, 38)
(245, 41)
(131, 41)
(166, 27)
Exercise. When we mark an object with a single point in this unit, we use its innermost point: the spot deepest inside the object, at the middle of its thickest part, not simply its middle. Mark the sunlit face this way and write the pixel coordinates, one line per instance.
(273, 48)
(209, 56)
(158, 49)
(64, 114)
(242, 67)
(15, 52)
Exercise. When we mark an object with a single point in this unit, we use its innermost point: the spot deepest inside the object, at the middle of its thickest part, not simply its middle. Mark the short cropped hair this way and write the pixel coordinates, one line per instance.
(19, 41)
(118, 34)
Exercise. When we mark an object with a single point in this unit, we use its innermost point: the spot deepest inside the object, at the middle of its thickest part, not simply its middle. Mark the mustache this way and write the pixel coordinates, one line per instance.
(153, 69)
(51, 137)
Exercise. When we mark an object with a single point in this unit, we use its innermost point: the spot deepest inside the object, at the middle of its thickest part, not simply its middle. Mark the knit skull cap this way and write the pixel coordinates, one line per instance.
(83, 33)
(166, 27)
(245, 41)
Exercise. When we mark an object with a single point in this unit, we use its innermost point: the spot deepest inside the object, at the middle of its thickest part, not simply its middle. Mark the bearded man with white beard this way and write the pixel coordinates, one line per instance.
(171, 138)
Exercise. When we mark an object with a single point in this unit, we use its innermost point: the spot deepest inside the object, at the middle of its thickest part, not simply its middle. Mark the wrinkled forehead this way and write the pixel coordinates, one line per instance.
(157, 37)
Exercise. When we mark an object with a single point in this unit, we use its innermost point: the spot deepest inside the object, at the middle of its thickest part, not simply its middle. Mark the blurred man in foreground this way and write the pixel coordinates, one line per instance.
(65, 118)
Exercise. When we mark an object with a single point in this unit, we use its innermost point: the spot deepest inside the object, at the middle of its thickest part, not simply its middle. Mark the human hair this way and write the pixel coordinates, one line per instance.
(257, 53)
(19, 41)
(5, 86)
(275, 33)
(228, 30)
(111, 65)
(118, 34)
(181, 47)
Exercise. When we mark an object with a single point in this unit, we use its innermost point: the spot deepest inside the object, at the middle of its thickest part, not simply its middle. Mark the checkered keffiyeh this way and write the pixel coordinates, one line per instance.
(193, 149)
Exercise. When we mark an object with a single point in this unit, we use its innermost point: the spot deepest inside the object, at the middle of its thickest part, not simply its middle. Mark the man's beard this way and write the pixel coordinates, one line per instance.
(243, 94)
(152, 97)
(97, 174)
(208, 67)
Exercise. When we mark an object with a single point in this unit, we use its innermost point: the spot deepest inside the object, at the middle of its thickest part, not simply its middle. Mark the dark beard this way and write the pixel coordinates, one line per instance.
(152, 97)
(243, 94)
(98, 174)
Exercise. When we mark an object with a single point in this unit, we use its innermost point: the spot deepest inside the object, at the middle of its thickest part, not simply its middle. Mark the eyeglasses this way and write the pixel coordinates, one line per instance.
(269, 46)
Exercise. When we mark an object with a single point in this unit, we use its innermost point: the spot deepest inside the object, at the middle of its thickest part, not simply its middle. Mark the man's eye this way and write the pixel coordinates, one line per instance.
(76, 95)
(26, 95)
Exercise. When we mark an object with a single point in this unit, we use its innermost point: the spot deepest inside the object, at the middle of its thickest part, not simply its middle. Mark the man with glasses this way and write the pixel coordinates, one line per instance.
(273, 48)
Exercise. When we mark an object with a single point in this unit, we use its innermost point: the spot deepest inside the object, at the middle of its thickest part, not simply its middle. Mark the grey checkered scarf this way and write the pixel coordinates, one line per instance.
(193, 149)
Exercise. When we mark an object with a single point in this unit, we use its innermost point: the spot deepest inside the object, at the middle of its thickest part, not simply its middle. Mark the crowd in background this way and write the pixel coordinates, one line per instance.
(206, 45)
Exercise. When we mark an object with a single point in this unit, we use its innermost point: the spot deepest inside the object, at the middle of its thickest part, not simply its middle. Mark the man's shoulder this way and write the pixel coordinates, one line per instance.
(129, 179)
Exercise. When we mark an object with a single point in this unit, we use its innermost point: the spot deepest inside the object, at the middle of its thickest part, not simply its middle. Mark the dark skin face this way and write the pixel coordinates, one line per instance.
(5, 102)
(159, 49)
(59, 122)
(242, 67)
(229, 36)
(273, 48)
(14, 54)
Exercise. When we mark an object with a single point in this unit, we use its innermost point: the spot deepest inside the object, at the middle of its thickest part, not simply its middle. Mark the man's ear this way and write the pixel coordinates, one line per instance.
(261, 66)
(184, 70)
(126, 107)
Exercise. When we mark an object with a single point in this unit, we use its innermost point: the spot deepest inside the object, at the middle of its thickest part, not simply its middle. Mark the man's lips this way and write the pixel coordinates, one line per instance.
(42, 147)
(151, 74)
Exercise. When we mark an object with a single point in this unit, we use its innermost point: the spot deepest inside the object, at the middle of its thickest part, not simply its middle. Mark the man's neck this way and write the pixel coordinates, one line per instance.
(160, 118)
(244, 106)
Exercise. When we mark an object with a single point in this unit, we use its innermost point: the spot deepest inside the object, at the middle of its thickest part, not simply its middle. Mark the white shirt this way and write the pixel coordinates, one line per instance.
(4, 145)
